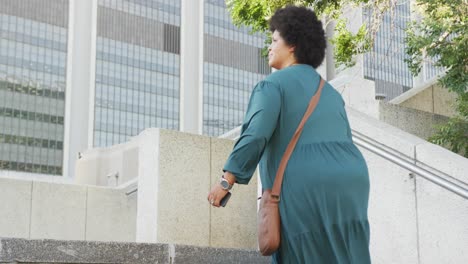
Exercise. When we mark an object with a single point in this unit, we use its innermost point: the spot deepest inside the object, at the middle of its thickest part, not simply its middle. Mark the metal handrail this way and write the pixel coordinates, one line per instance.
(411, 160)
(373, 146)
(430, 176)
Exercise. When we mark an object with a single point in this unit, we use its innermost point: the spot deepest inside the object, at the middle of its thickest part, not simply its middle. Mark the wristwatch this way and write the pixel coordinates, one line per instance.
(225, 184)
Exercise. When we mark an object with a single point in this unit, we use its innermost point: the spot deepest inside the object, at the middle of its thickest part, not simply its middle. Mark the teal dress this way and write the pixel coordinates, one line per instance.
(325, 191)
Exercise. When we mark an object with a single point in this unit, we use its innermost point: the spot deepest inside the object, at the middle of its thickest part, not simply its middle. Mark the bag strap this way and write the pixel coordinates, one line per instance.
(287, 154)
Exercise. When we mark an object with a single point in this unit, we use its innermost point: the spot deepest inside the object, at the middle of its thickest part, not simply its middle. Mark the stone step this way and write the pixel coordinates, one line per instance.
(15, 250)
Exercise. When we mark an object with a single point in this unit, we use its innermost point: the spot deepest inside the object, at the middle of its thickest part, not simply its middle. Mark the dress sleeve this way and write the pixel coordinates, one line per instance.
(345, 117)
(259, 124)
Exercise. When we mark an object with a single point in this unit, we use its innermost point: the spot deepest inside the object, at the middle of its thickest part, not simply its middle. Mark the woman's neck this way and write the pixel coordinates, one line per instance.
(289, 64)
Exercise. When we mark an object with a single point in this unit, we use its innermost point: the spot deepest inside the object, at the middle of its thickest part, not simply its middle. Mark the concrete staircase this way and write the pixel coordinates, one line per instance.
(15, 250)
(159, 201)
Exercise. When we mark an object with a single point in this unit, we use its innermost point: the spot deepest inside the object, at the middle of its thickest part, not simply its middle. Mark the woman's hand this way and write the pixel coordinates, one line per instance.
(217, 192)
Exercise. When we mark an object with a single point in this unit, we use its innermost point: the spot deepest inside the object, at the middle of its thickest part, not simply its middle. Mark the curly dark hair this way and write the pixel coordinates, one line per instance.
(299, 27)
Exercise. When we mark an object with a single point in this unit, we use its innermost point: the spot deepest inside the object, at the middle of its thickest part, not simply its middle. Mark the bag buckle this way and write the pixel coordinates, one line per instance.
(276, 197)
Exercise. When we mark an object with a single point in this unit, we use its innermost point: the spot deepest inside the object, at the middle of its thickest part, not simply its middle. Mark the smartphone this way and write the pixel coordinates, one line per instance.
(225, 199)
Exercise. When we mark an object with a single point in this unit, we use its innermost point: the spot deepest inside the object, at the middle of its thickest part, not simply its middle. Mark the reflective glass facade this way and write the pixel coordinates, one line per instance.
(137, 72)
(137, 68)
(232, 66)
(33, 58)
(385, 64)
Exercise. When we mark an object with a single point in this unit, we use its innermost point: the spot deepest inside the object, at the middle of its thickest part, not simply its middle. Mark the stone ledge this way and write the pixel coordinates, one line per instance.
(59, 251)
(16, 250)
(190, 254)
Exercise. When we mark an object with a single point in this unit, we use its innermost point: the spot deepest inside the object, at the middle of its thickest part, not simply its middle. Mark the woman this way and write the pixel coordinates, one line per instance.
(325, 191)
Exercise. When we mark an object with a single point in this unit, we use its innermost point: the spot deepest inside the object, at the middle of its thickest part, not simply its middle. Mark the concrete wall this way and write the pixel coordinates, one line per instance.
(110, 166)
(34, 209)
(34, 176)
(442, 216)
(419, 123)
(63, 251)
(175, 172)
(413, 220)
(430, 97)
(392, 214)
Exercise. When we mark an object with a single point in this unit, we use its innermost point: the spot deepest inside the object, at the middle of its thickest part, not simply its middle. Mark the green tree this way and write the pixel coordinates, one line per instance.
(440, 37)
(255, 14)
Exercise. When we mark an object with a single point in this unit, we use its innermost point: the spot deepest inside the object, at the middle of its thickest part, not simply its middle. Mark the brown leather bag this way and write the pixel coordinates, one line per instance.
(269, 223)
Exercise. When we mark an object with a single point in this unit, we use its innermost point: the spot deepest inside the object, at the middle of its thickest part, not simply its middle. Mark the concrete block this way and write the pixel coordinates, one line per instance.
(184, 181)
(148, 182)
(234, 226)
(419, 123)
(430, 97)
(55, 251)
(58, 211)
(444, 101)
(423, 101)
(35, 177)
(111, 164)
(187, 254)
(96, 164)
(129, 165)
(392, 212)
(15, 207)
(110, 215)
(385, 134)
(86, 170)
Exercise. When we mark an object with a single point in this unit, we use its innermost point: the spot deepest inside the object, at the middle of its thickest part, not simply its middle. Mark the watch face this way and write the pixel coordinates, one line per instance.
(224, 184)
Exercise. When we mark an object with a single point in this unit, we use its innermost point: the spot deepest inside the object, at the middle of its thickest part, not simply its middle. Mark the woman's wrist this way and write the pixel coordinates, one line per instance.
(230, 177)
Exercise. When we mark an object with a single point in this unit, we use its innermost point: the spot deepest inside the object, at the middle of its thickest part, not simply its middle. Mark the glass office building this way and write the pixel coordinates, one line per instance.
(385, 63)
(33, 59)
(232, 66)
(137, 68)
(136, 78)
